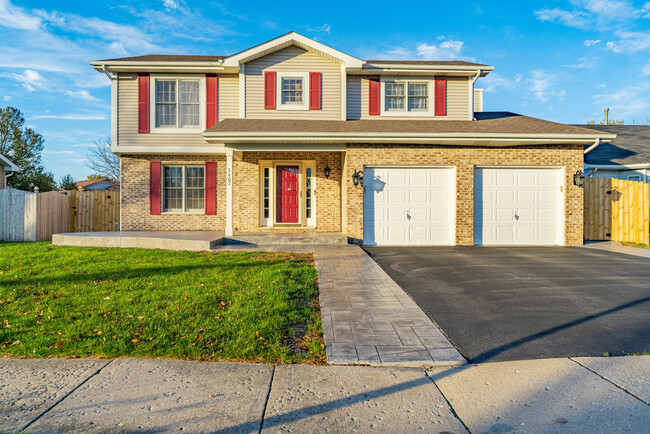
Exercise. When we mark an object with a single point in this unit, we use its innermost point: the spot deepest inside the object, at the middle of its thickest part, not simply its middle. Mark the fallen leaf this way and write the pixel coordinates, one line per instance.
(135, 340)
(16, 343)
(59, 343)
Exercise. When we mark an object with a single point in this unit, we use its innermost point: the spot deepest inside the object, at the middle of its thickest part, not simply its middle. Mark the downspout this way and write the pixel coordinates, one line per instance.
(7, 176)
(478, 74)
(106, 72)
(592, 147)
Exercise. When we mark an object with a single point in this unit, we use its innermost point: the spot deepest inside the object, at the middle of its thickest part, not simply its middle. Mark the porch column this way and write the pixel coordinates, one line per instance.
(229, 180)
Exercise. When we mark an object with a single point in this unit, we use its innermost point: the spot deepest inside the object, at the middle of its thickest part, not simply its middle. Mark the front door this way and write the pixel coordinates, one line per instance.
(287, 195)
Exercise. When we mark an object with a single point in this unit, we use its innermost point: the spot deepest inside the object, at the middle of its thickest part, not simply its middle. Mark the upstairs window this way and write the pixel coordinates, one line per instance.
(292, 90)
(404, 97)
(178, 104)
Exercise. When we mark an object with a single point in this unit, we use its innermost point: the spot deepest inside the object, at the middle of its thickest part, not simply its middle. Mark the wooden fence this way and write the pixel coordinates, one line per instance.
(93, 211)
(616, 209)
(26, 216)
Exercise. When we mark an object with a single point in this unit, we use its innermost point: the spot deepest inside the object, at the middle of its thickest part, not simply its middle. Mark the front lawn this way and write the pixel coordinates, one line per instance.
(639, 245)
(60, 301)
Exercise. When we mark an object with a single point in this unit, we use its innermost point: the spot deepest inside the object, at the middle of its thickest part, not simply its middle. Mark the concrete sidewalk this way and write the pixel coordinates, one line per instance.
(548, 395)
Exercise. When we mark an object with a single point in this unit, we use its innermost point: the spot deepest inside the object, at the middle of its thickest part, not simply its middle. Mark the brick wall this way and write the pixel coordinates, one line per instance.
(135, 196)
(246, 188)
(568, 156)
(2, 177)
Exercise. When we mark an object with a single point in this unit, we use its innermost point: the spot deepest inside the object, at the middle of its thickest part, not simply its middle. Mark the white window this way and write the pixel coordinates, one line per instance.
(634, 177)
(177, 103)
(293, 90)
(406, 97)
(183, 188)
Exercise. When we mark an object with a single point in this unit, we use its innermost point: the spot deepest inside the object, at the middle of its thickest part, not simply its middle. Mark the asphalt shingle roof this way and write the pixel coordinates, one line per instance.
(631, 146)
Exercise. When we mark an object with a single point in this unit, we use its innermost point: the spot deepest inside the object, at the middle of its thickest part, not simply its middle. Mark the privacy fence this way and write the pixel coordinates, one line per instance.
(617, 210)
(26, 216)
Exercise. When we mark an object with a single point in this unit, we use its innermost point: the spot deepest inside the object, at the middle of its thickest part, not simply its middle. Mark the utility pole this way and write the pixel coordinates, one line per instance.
(606, 116)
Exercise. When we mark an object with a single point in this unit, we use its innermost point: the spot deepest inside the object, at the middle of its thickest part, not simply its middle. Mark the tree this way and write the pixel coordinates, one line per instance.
(23, 146)
(102, 161)
(94, 177)
(68, 183)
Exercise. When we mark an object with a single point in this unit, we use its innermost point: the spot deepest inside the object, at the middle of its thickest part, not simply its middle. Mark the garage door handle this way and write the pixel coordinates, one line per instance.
(516, 215)
(408, 214)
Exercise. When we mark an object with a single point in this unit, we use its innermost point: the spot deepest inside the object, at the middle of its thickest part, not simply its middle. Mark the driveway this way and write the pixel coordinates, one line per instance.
(500, 303)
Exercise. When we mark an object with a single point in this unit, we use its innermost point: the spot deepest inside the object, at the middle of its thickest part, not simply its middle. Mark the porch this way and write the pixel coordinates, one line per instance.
(195, 240)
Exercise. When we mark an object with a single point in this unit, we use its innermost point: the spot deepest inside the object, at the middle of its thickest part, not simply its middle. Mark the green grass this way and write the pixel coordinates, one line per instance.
(639, 245)
(60, 301)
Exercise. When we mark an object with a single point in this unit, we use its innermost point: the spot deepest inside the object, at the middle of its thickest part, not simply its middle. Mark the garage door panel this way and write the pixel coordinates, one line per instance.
(532, 194)
(428, 194)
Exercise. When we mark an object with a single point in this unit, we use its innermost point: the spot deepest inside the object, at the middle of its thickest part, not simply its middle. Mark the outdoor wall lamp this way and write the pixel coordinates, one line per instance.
(579, 178)
(357, 176)
(327, 171)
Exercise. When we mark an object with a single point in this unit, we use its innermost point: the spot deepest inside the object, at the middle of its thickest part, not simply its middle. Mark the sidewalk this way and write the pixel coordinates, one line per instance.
(549, 395)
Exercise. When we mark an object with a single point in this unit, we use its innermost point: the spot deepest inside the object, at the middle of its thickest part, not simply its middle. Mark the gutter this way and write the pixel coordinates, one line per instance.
(618, 166)
(471, 97)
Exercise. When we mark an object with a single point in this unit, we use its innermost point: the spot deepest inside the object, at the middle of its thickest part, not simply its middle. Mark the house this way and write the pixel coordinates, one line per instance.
(294, 134)
(7, 168)
(626, 157)
(96, 184)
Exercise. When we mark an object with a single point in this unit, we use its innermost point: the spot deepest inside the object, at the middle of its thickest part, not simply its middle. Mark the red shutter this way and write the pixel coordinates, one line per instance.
(143, 103)
(441, 98)
(314, 90)
(210, 188)
(154, 187)
(373, 93)
(211, 91)
(269, 90)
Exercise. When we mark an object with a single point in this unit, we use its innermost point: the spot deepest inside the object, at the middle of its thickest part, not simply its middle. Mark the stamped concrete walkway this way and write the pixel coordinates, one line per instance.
(367, 318)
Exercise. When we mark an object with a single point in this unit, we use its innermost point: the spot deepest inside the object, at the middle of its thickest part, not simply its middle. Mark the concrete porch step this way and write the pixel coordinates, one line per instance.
(270, 238)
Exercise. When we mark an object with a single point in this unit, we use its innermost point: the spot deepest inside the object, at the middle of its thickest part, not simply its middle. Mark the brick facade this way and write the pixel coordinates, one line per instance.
(2, 177)
(135, 196)
(464, 159)
(338, 189)
(246, 188)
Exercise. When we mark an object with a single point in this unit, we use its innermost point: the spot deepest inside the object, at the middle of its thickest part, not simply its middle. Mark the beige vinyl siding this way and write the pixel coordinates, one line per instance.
(228, 107)
(127, 118)
(353, 97)
(294, 59)
(478, 100)
(457, 100)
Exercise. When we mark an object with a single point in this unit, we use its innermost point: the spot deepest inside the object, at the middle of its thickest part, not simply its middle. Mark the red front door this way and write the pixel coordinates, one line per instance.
(287, 196)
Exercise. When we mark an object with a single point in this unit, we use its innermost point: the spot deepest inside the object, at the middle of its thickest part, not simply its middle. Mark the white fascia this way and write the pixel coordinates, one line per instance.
(284, 41)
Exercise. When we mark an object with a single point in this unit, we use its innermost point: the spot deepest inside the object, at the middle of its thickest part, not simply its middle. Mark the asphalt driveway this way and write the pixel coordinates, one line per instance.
(500, 303)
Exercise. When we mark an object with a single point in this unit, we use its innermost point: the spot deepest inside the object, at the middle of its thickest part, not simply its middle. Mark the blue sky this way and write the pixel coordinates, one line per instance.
(559, 60)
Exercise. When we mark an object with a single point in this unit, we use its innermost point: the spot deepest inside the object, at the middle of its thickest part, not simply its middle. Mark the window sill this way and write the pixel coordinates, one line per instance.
(183, 213)
(176, 130)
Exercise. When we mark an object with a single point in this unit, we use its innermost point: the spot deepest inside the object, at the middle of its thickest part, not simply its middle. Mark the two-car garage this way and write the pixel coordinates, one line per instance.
(417, 205)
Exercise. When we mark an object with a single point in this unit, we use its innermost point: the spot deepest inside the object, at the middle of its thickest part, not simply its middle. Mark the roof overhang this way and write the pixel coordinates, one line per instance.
(410, 69)
(618, 166)
(454, 139)
(284, 41)
(8, 164)
(160, 66)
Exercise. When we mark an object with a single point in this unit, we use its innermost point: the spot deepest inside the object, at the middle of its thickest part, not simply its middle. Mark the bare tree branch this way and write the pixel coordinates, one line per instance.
(102, 161)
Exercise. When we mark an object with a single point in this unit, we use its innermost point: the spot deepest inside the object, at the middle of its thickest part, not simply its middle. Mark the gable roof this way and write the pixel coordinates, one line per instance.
(167, 58)
(8, 164)
(287, 40)
(490, 129)
(631, 146)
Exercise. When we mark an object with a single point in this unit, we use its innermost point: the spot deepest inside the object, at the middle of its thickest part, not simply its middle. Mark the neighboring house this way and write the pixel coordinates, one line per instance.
(7, 168)
(293, 134)
(626, 157)
(96, 184)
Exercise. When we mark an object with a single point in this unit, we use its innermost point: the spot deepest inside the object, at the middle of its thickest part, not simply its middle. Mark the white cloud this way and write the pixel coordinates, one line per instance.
(578, 19)
(30, 80)
(446, 50)
(582, 63)
(15, 18)
(7, 98)
(171, 4)
(646, 70)
(493, 82)
(591, 42)
(72, 117)
(630, 42)
(82, 94)
(64, 152)
(543, 86)
(626, 102)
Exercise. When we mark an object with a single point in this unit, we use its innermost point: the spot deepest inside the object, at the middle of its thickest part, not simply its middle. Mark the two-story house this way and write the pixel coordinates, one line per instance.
(293, 134)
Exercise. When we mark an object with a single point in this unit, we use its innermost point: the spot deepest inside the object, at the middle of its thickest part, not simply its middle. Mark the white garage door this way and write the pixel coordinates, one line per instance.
(408, 206)
(518, 206)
